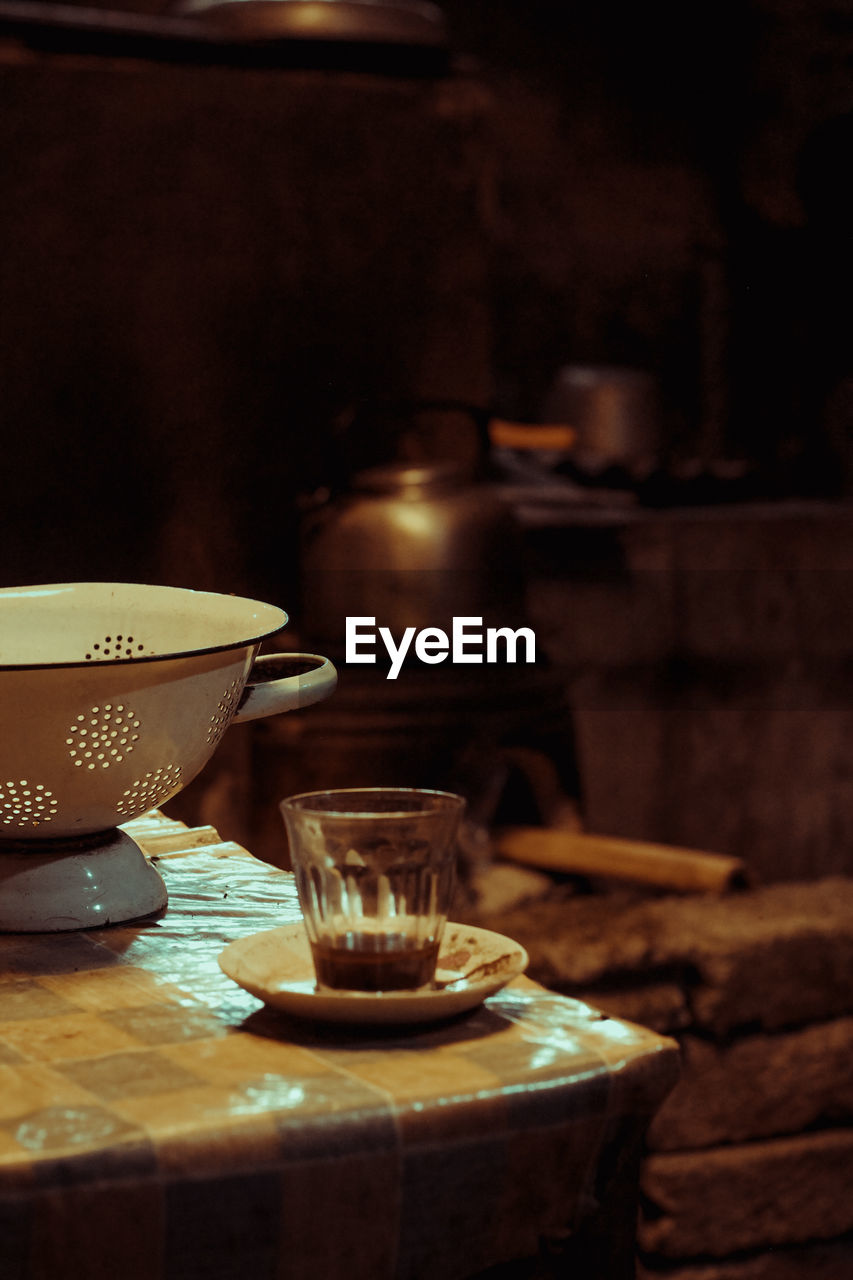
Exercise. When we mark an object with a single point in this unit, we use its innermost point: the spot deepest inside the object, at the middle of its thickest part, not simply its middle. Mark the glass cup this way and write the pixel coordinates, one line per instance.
(375, 869)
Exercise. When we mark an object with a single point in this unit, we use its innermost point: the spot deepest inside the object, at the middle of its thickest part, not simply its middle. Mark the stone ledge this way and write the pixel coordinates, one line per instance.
(760, 1086)
(810, 1262)
(771, 957)
(758, 1195)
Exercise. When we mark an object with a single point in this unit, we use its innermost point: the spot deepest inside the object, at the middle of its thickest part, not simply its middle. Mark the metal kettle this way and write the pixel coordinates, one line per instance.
(411, 544)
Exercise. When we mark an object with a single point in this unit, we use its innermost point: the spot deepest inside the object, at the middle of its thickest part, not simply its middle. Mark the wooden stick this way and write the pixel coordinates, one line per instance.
(668, 867)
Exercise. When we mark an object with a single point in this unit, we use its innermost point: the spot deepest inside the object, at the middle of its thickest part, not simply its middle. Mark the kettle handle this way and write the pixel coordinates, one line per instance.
(284, 682)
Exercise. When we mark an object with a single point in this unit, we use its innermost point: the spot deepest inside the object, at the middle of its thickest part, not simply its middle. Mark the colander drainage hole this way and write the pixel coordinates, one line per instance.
(115, 647)
(26, 804)
(221, 717)
(148, 791)
(102, 737)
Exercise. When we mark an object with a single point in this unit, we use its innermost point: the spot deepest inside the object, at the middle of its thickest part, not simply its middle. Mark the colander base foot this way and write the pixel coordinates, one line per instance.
(86, 883)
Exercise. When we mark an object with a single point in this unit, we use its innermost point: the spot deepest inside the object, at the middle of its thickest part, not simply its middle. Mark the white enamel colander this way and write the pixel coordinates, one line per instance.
(113, 696)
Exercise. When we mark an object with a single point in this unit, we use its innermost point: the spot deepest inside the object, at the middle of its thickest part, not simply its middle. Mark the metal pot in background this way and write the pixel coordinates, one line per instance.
(615, 412)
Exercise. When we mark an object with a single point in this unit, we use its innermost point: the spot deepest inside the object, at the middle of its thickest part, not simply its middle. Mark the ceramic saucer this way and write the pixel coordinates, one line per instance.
(276, 966)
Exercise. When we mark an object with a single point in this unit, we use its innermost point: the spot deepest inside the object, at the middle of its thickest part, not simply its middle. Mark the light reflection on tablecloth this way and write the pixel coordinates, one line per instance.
(215, 896)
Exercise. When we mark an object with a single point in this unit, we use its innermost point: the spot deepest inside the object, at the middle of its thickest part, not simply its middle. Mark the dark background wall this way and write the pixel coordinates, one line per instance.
(675, 194)
(201, 266)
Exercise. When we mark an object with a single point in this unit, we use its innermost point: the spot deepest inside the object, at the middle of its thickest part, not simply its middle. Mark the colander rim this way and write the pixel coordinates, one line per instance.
(248, 641)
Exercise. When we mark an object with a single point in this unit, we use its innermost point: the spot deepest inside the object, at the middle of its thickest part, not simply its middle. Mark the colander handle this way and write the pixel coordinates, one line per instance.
(284, 681)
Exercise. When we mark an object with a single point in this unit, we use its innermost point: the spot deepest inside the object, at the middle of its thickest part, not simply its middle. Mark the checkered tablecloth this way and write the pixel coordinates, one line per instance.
(158, 1123)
